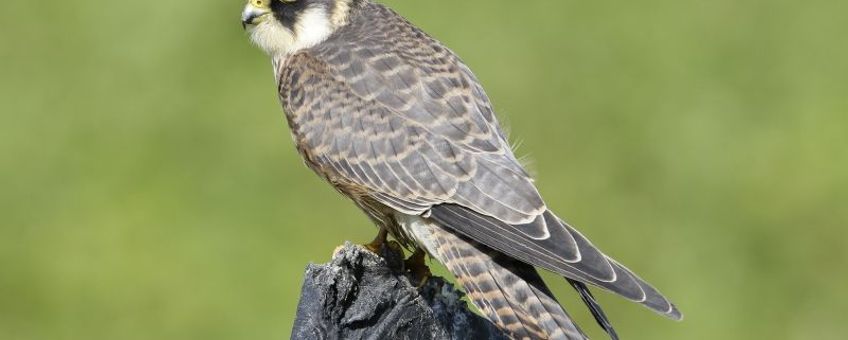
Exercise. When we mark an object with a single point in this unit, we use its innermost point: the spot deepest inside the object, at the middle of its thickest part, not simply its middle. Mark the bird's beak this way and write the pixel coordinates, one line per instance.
(253, 15)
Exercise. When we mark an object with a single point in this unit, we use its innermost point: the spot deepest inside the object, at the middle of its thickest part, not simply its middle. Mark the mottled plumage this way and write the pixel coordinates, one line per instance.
(398, 123)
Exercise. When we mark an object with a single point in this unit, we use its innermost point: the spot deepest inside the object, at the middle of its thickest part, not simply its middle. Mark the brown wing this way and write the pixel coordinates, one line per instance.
(385, 106)
(423, 112)
(386, 109)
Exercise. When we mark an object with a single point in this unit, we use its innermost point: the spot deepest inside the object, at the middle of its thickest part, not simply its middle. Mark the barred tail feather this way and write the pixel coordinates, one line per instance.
(509, 292)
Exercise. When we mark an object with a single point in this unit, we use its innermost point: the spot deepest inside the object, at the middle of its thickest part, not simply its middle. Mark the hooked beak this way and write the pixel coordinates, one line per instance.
(253, 15)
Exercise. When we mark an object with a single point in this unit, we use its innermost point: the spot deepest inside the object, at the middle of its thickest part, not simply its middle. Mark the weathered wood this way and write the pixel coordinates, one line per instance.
(359, 295)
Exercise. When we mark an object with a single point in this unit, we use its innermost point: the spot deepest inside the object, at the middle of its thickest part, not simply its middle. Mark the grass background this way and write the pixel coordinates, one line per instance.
(149, 188)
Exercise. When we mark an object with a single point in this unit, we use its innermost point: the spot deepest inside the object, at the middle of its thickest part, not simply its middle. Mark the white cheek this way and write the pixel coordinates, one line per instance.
(312, 28)
(272, 37)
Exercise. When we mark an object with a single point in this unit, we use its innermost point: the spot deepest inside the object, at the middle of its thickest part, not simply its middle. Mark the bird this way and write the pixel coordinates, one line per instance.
(398, 123)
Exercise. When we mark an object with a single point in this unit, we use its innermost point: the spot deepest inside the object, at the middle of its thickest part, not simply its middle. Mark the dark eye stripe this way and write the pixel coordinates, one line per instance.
(287, 11)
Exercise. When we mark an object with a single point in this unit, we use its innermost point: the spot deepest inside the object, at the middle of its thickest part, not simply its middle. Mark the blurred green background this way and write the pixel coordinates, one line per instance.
(149, 188)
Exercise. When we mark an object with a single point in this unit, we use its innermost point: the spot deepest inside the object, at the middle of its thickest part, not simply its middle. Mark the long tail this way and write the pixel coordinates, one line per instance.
(510, 293)
(562, 250)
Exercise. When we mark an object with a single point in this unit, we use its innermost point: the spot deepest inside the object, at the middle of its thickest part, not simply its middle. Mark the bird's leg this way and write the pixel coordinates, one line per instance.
(417, 266)
(377, 244)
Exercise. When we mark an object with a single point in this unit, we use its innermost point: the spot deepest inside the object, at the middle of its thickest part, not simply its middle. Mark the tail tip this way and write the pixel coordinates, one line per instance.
(674, 314)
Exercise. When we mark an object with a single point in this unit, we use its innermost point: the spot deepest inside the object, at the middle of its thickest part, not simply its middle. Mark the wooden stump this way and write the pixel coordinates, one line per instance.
(359, 295)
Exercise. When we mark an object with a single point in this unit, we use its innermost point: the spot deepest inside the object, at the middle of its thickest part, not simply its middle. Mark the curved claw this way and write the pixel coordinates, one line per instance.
(417, 267)
(376, 245)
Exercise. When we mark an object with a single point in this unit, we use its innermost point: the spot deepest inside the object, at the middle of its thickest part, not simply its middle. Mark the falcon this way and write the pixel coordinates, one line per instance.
(395, 121)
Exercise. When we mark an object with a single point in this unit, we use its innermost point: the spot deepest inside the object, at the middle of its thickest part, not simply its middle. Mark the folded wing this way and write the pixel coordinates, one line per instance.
(410, 127)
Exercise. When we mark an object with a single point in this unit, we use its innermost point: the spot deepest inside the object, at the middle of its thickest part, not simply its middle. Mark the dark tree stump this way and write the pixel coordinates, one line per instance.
(359, 295)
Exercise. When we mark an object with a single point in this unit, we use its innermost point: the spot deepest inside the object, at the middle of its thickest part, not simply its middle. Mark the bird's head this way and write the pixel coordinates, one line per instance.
(281, 27)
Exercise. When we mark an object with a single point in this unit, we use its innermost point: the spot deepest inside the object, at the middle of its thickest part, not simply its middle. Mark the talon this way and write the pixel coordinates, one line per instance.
(423, 280)
(377, 244)
(395, 247)
(417, 267)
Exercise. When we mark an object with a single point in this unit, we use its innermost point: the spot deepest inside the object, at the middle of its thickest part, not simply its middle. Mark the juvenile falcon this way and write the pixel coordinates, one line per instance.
(398, 123)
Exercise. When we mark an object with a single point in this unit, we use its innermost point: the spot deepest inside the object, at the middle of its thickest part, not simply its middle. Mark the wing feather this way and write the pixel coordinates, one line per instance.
(592, 267)
(408, 125)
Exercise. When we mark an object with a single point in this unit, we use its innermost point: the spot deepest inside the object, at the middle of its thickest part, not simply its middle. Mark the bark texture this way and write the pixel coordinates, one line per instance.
(359, 295)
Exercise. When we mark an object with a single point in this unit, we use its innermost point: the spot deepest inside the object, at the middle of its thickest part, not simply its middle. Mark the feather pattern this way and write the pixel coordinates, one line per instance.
(508, 292)
(394, 120)
(592, 267)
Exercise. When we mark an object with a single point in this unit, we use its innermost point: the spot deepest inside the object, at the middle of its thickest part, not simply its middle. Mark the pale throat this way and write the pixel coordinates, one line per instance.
(312, 27)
